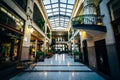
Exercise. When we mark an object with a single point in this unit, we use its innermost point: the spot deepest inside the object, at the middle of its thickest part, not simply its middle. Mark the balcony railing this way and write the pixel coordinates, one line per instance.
(89, 21)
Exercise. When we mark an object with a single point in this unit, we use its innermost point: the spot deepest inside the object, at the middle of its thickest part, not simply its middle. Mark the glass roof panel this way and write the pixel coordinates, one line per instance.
(64, 1)
(54, 5)
(53, 24)
(49, 11)
(69, 6)
(48, 7)
(69, 10)
(71, 1)
(46, 2)
(53, 1)
(57, 19)
(59, 12)
(56, 13)
(61, 18)
(67, 19)
(68, 14)
(56, 9)
(63, 13)
(59, 28)
(51, 19)
(61, 9)
(50, 14)
(63, 5)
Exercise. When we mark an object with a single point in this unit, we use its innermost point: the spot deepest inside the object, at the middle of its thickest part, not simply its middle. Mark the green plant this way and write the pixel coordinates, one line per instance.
(76, 53)
(50, 50)
(40, 22)
(70, 51)
(48, 35)
(39, 53)
(40, 56)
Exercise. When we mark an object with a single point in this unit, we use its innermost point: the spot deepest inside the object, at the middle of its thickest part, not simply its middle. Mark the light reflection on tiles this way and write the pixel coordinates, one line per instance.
(62, 68)
(58, 76)
(59, 63)
(59, 60)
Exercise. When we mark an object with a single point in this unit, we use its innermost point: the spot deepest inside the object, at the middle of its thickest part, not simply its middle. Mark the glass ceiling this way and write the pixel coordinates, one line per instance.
(59, 12)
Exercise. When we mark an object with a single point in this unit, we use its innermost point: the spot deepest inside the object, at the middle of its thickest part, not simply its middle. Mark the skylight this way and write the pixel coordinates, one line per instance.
(59, 12)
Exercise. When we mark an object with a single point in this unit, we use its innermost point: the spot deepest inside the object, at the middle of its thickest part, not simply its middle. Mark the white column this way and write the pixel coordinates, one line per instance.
(46, 28)
(50, 40)
(27, 33)
(68, 35)
(36, 41)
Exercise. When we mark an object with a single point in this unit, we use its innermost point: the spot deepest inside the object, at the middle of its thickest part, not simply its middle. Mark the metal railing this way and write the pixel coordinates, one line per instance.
(88, 19)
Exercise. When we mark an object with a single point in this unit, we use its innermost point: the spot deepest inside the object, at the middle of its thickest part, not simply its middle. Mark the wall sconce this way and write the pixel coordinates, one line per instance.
(25, 39)
(80, 32)
(31, 28)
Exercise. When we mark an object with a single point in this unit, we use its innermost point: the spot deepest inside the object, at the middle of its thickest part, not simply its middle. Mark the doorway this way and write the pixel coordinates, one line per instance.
(102, 57)
(85, 52)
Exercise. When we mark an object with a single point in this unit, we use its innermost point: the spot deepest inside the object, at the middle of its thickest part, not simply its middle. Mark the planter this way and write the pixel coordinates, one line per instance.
(77, 56)
(49, 54)
(40, 56)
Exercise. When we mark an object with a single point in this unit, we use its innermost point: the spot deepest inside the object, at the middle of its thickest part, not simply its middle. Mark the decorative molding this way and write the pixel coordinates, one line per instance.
(32, 0)
(30, 10)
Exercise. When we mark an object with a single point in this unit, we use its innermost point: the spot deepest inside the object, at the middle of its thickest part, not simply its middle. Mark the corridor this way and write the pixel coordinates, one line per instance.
(59, 67)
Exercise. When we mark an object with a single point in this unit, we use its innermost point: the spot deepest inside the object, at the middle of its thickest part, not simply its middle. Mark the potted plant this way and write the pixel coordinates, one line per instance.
(50, 53)
(76, 56)
(70, 52)
(40, 56)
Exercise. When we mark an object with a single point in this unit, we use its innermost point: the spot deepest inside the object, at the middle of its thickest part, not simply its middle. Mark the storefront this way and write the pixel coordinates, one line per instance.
(35, 43)
(11, 33)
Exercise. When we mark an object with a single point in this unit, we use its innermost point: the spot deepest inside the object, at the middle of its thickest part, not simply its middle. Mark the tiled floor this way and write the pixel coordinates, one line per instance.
(59, 67)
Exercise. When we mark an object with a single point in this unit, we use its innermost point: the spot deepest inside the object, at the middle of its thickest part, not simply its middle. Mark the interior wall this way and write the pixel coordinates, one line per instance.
(110, 42)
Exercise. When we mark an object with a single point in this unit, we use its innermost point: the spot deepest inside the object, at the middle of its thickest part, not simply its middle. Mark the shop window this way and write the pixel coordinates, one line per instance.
(38, 18)
(5, 52)
(10, 19)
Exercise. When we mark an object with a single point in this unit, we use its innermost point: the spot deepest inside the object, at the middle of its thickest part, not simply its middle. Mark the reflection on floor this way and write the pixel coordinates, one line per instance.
(59, 67)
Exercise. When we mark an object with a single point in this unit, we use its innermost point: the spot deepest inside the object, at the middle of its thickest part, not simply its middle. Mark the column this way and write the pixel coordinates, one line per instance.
(44, 45)
(50, 41)
(36, 41)
(26, 42)
(46, 28)
(27, 34)
(73, 45)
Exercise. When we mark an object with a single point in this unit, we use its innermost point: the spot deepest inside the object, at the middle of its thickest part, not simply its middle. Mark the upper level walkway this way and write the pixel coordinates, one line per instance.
(59, 67)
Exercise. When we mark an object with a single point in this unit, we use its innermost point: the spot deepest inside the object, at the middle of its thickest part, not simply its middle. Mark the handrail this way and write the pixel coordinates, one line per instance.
(90, 19)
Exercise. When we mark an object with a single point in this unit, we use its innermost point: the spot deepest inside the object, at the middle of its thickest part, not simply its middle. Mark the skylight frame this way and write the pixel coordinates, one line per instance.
(61, 11)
